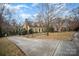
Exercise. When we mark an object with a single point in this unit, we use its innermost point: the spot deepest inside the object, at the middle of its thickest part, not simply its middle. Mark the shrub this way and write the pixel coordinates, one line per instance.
(22, 31)
(51, 29)
(77, 29)
(0, 32)
(31, 31)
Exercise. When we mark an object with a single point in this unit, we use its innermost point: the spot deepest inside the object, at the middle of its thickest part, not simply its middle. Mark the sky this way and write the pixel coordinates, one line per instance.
(22, 11)
(30, 10)
(39, 1)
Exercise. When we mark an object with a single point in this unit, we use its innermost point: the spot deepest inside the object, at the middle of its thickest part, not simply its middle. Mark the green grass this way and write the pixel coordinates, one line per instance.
(7, 48)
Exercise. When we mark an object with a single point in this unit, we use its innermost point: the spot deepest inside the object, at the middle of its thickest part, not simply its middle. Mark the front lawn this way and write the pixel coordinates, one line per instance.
(7, 48)
(53, 36)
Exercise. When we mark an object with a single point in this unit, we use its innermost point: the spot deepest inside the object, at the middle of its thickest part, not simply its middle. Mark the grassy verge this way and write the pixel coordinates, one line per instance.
(7, 48)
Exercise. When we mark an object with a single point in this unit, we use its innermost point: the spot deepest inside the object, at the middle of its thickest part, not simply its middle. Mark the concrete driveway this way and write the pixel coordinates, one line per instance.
(38, 47)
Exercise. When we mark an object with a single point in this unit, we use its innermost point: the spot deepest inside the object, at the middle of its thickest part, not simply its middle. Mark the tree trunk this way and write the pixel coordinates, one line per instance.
(47, 33)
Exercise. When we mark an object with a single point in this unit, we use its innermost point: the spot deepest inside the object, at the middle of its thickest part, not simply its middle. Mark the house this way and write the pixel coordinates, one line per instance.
(66, 25)
(57, 26)
(70, 26)
(36, 27)
(73, 25)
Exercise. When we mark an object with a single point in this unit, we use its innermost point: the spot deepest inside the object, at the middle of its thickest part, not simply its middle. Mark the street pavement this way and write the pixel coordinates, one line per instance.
(39, 47)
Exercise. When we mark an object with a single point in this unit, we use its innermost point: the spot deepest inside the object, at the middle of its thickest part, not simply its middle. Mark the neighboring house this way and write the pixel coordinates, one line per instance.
(74, 25)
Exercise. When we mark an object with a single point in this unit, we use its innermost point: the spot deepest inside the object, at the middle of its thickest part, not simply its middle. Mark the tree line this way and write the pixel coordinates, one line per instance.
(53, 17)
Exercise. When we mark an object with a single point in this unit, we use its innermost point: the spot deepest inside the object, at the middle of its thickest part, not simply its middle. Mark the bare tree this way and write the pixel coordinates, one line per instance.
(1, 17)
(5, 20)
(49, 13)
